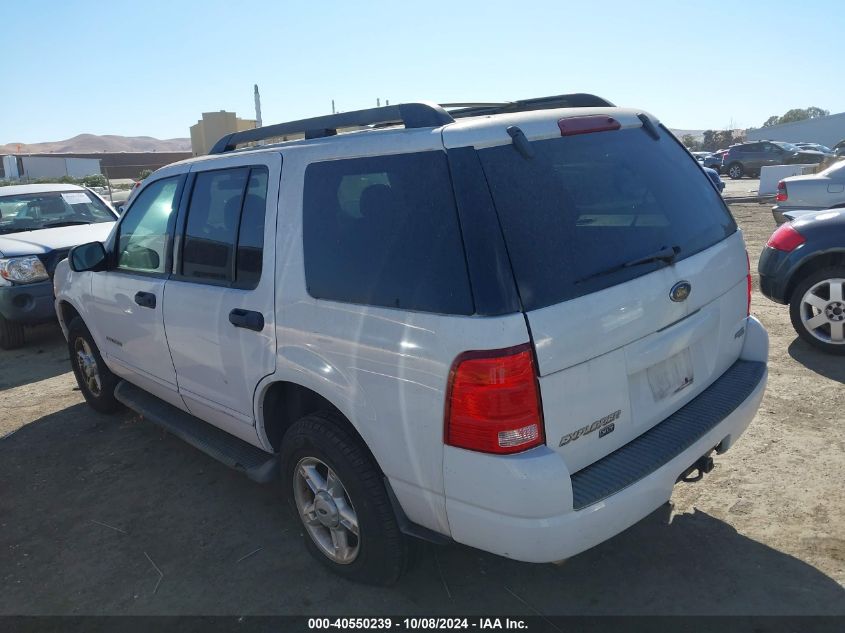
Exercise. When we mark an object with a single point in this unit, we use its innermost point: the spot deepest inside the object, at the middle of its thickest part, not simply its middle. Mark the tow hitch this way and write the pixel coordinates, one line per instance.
(701, 467)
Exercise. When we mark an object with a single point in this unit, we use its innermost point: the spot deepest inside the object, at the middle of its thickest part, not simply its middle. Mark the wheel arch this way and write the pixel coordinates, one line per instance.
(66, 312)
(283, 402)
(812, 264)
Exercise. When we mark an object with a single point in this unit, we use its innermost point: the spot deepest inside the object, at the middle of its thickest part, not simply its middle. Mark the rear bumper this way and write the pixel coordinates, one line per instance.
(522, 507)
(28, 303)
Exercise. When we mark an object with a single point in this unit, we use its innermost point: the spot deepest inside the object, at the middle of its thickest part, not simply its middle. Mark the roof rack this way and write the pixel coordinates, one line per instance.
(576, 100)
(411, 115)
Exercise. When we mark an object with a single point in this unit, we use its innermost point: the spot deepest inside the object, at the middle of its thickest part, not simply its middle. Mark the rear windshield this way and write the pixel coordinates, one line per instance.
(34, 211)
(586, 205)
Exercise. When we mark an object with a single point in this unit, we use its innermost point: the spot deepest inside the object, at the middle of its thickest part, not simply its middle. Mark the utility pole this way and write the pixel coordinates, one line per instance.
(333, 111)
(257, 107)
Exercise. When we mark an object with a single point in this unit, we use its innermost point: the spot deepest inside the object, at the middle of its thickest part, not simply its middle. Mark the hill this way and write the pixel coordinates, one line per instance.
(88, 143)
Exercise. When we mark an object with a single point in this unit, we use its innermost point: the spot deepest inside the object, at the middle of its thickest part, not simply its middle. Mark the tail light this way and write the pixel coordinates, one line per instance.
(782, 195)
(747, 285)
(493, 402)
(786, 239)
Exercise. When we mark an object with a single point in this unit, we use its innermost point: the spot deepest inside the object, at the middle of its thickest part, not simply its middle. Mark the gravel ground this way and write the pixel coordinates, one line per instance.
(91, 506)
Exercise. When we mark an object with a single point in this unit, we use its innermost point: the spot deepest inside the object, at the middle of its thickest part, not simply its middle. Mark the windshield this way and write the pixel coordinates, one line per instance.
(789, 147)
(34, 211)
(579, 215)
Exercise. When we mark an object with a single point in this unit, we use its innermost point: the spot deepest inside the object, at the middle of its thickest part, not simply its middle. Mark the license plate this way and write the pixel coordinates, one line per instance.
(671, 376)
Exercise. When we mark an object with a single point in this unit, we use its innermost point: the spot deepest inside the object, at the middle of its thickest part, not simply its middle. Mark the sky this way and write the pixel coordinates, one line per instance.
(151, 68)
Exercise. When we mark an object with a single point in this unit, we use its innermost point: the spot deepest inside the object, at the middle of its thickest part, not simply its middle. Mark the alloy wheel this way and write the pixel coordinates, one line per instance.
(87, 364)
(326, 510)
(823, 311)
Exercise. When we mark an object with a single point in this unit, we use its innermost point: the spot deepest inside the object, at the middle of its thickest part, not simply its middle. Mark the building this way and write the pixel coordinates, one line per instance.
(110, 164)
(47, 166)
(213, 126)
(827, 130)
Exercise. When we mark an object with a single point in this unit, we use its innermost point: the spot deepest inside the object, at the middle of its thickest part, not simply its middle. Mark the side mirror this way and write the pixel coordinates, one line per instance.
(90, 256)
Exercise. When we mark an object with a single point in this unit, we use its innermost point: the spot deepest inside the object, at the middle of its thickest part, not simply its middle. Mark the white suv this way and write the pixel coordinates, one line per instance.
(514, 326)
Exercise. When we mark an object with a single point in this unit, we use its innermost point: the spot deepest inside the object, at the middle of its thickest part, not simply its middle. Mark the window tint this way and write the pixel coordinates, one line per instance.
(384, 231)
(142, 241)
(585, 205)
(212, 227)
(251, 234)
(227, 207)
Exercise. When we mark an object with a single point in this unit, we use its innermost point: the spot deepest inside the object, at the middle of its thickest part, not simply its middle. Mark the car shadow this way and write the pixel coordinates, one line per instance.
(111, 515)
(828, 365)
(43, 355)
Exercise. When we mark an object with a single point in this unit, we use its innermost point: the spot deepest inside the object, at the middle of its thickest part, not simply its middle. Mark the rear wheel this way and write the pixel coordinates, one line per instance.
(95, 380)
(338, 493)
(817, 310)
(735, 171)
(11, 334)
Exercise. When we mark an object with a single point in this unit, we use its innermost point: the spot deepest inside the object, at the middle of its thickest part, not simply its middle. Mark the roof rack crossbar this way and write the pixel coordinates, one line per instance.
(576, 100)
(411, 115)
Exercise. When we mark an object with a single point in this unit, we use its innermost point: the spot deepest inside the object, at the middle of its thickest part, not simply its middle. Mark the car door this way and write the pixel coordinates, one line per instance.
(219, 302)
(126, 310)
(772, 155)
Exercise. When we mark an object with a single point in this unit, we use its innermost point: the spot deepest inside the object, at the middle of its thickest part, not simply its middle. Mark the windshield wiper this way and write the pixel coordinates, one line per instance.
(51, 225)
(667, 254)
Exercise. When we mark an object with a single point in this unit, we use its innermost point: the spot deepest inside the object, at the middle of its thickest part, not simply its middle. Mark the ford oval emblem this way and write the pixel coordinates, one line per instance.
(680, 291)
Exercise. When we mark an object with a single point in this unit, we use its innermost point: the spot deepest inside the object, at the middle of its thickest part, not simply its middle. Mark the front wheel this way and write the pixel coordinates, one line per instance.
(735, 171)
(95, 380)
(817, 310)
(338, 493)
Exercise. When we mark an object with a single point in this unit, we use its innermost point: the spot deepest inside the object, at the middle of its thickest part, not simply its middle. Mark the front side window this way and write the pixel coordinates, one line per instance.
(144, 232)
(224, 233)
(384, 231)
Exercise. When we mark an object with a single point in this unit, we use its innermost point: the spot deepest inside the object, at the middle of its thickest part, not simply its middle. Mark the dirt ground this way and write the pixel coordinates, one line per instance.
(92, 507)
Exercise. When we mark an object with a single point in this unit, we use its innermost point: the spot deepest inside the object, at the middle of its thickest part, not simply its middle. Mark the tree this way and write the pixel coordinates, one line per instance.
(95, 180)
(144, 173)
(796, 114)
(690, 142)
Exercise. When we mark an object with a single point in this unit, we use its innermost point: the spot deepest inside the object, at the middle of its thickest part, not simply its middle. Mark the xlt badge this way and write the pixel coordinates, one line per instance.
(606, 421)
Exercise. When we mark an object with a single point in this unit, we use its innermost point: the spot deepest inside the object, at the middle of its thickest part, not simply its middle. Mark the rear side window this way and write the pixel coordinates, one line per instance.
(586, 205)
(384, 231)
(224, 233)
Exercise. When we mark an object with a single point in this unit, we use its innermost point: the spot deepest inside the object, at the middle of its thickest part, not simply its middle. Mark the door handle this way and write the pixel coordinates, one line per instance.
(145, 299)
(248, 319)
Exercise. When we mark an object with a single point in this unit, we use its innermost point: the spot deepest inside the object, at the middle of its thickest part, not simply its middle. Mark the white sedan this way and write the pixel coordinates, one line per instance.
(814, 192)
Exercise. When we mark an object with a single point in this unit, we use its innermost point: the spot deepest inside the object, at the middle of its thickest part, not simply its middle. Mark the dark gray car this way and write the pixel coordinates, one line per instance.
(747, 159)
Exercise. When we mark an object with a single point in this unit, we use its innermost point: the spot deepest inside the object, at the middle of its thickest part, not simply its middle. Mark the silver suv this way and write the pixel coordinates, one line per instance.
(515, 326)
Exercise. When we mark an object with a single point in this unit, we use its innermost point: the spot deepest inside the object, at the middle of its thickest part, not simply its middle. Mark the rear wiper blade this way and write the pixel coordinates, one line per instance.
(666, 254)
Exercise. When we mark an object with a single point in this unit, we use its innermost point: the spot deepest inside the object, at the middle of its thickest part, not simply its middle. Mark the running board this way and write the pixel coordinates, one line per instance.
(256, 464)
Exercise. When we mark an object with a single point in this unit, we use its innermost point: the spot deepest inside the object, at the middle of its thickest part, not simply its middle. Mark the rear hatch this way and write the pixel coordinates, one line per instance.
(630, 269)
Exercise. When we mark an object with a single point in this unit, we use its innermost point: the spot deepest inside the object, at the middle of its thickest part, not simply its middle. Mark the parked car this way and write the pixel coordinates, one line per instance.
(746, 159)
(512, 326)
(813, 192)
(803, 265)
(38, 225)
(713, 175)
(714, 161)
(816, 147)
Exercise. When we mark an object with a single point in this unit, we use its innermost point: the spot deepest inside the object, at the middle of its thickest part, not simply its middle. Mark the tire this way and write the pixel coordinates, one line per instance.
(320, 447)
(95, 380)
(811, 304)
(11, 334)
(735, 171)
